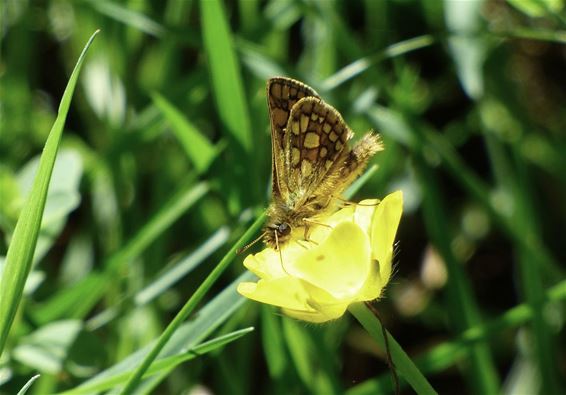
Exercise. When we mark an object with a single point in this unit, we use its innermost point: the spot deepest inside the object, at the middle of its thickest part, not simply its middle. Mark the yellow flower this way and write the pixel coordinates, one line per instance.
(347, 260)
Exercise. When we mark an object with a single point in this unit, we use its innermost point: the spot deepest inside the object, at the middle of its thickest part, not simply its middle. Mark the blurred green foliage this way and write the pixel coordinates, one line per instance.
(165, 161)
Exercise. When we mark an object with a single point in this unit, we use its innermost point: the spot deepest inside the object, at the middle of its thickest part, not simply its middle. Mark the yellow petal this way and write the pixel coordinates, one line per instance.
(319, 233)
(384, 227)
(327, 313)
(373, 286)
(363, 214)
(266, 264)
(340, 265)
(286, 292)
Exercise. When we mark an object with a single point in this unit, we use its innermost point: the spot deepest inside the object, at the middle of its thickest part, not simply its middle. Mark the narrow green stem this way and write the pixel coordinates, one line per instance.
(191, 304)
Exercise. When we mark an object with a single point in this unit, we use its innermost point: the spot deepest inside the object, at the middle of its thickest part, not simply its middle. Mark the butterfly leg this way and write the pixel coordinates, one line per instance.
(308, 222)
(350, 203)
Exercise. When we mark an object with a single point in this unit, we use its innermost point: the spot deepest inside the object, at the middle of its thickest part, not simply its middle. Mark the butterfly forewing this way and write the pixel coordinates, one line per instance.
(282, 94)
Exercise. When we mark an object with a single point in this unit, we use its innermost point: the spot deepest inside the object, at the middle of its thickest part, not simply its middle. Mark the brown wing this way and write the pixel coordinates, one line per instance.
(282, 94)
(347, 168)
(317, 142)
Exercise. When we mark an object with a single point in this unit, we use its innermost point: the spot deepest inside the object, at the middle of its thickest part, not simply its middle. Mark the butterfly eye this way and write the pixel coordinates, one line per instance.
(284, 229)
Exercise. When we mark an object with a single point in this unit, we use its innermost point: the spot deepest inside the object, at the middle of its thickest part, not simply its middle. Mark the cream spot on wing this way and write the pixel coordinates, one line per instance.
(285, 92)
(323, 152)
(304, 122)
(312, 140)
(306, 168)
(326, 128)
(295, 156)
(338, 146)
(333, 137)
(314, 116)
(295, 127)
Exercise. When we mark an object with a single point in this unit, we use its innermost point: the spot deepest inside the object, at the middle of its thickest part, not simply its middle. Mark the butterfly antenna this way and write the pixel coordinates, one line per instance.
(245, 248)
(387, 349)
(278, 249)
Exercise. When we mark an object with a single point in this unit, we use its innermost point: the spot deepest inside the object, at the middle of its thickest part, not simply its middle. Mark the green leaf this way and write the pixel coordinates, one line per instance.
(20, 252)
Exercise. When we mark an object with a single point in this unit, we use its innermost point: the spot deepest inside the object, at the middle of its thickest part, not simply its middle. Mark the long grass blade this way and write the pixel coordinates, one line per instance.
(20, 252)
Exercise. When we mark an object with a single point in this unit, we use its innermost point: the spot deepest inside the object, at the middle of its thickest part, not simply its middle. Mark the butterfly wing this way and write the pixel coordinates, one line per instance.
(282, 94)
(317, 139)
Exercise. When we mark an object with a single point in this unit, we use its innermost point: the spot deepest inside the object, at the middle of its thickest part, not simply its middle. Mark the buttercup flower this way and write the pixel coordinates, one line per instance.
(346, 260)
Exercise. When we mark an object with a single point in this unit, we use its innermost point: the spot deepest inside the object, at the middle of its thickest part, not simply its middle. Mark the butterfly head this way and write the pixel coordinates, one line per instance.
(276, 234)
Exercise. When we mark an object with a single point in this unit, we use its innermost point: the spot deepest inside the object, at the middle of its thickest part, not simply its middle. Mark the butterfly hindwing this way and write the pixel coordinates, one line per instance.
(317, 143)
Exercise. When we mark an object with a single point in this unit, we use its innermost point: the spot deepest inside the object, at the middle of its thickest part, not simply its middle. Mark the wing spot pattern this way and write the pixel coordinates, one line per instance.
(312, 140)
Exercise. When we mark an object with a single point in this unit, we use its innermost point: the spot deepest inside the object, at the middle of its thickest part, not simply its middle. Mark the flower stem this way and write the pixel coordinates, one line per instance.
(190, 306)
(401, 360)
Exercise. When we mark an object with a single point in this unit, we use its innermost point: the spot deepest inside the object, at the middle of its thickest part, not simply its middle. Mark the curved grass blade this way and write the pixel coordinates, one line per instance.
(21, 249)
(25, 388)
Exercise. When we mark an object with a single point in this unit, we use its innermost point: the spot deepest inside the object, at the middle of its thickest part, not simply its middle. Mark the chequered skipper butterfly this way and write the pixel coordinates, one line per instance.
(312, 162)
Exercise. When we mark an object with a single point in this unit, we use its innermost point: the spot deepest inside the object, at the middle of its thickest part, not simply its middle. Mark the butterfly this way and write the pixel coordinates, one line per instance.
(312, 162)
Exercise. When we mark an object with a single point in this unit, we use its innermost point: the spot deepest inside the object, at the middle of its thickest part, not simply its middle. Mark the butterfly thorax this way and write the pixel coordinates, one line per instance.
(286, 217)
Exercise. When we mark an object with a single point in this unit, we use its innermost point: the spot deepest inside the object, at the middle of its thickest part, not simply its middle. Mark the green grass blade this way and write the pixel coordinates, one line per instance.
(191, 304)
(460, 301)
(391, 124)
(449, 353)
(20, 252)
(127, 16)
(26, 387)
(164, 364)
(359, 66)
(77, 303)
(508, 173)
(403, 363)
(187, 336)
(231, 106)
(225, 73)
(198, 149)
(172, 275)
